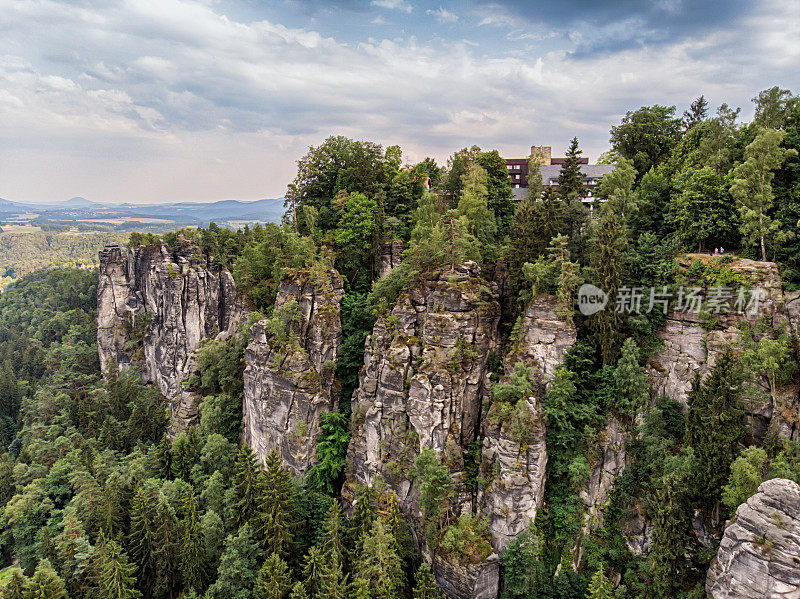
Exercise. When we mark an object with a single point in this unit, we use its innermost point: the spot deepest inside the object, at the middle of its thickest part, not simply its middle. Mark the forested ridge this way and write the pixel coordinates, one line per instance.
(23, 252)
(97, 501)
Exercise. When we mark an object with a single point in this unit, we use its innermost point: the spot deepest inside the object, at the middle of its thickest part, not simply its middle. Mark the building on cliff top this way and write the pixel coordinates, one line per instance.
(550, 169)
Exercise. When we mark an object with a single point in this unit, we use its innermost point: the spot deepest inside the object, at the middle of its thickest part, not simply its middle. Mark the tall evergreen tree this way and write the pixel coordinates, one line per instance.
(425, 585)
(274, 579)
(246, 486)
(600, 586)
(474, 206)
(162, 458)
(630, 381)
(570, 178)
(16, 584)
(697, 113)
(143, 539)
(275, 517)
(380, 566)
(117, 575)
(45, 584)
(192, 543)
(608, 260)
(715, 426)
(670, 537)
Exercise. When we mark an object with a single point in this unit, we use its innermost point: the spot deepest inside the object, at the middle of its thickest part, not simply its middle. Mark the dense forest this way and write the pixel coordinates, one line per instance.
(97, 501)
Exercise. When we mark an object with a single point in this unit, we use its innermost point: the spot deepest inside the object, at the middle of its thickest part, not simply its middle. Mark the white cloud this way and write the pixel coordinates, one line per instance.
(175, 100)
(442, 15)
(393, 5)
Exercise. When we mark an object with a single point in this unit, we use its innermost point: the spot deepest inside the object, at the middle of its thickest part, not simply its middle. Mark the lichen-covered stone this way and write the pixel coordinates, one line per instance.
(611, 458)
(759, 556)
(424, 382)
(288, 388)
(472, 581)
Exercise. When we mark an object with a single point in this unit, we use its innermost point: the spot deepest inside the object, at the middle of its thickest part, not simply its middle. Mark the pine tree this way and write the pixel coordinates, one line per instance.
(7, 486)
(275, 518)
(630, 381)
(299, 591)
(364, 514)
(570, 178)
(473, 206)
(313, 569)
(332, 543)
(608, 260)
(45, 584)
(274, 579)
(715, 426)
(425, 587)
(16, 585)
(192, 543)
(185, 454)
(380, 565)
(572, 194)
(117, 575)
(600, 586)
(162, 459)
(246, 486)
(166, 549)
(671, 522)
(697, 113)
(47, 548)
(110, 507)
(143, 539)
(74, 554)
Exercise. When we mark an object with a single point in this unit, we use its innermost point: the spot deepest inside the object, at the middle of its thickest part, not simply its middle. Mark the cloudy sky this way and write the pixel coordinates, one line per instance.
(166, 100)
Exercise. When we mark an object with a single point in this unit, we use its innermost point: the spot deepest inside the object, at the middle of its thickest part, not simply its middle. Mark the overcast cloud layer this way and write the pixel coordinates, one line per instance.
(167, 100)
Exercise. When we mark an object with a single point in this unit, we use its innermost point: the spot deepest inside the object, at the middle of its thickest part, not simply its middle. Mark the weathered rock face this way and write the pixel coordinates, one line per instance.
(690, 348)
(289, 384)
(759, 556)
(154, 308)
(423, 381)
(476, 581)
(516, 467)
(391, 256)
(423, 385)
(611, 458)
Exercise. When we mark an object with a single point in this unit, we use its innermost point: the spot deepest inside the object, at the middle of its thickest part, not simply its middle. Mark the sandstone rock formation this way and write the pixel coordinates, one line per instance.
(692, 344)
(391, 256)
(289, 378)
(424, 382)
(759, 556)
(155, 306)
(516, 468)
